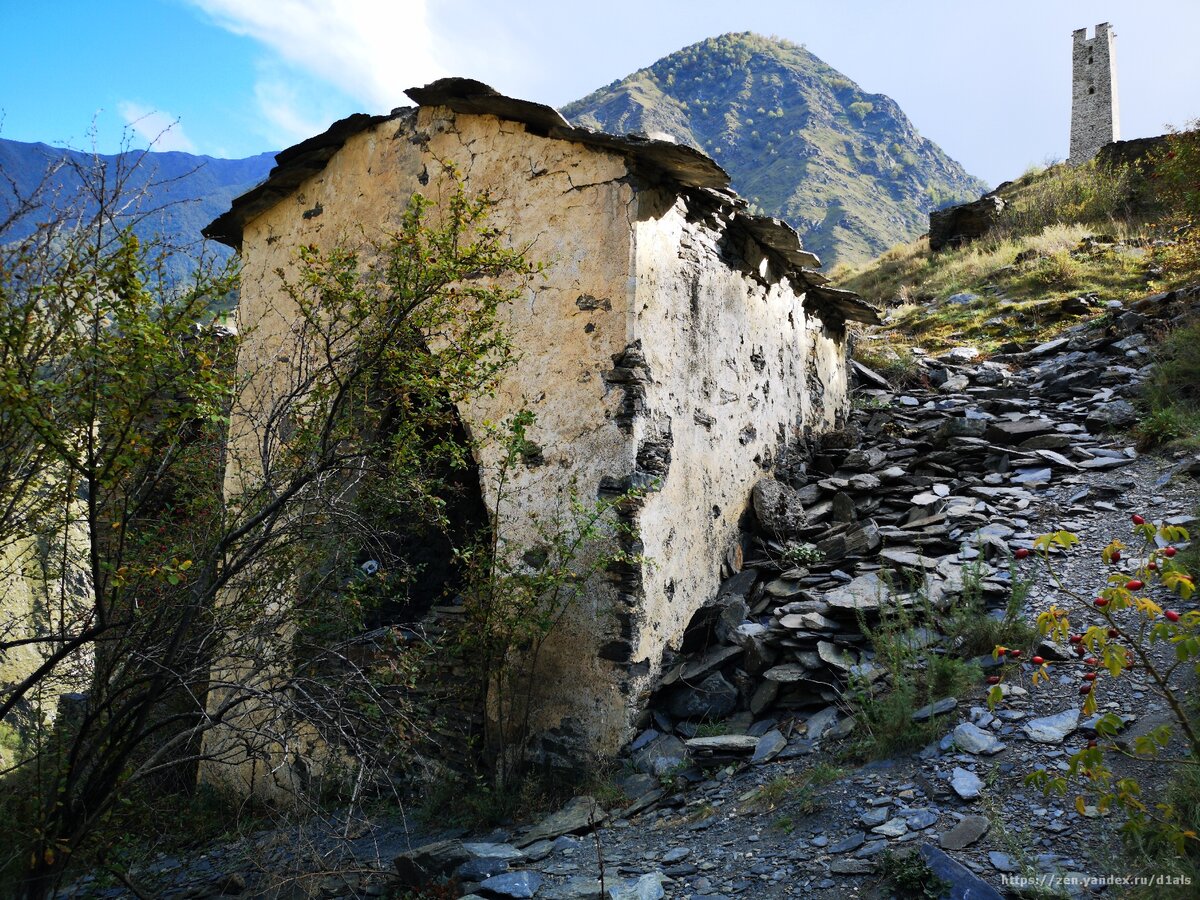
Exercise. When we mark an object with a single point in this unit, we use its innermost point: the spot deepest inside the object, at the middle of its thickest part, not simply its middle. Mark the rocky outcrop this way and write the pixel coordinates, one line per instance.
(957, 225)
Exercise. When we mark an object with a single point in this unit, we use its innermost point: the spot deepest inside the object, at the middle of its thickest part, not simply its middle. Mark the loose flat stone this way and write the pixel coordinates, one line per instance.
(892, 828)
(820, 722)
(580, 814)
(835, 656)
(874, 817)
(811, 621)
(973, 739)
(966, 784)
(937, 708)
(864, 592)
(1052, 729)
(769, 746)
(724, 743)
(712, 660)
(493, 851)
(920, 819)
(1049, 347)
(787, 673)
(1101, 463)
(965, 833)
(519, 885)
(963, 884)
(848, 843)
(871, 848)
(647, 887)
(1002, 862)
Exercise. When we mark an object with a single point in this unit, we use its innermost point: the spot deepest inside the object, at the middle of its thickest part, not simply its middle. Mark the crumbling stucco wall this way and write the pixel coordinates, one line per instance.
(736, 368)
(663, 349)
(568, 207)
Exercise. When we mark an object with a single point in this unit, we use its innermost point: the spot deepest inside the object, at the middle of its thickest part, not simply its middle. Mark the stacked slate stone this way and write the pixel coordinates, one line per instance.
(923, 489)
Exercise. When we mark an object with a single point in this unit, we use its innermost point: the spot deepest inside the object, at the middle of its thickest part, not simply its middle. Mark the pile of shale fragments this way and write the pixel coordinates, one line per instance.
(922, 491)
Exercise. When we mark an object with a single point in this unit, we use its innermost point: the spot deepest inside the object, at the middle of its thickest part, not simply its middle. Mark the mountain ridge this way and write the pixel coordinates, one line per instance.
(179, 192)
(799, 139)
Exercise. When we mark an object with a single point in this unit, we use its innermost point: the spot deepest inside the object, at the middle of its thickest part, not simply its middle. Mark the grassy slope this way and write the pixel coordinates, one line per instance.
(1041, 253)
(799, 139)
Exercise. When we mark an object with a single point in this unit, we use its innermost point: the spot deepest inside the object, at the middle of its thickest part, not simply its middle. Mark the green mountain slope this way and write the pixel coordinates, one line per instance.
(800, 140)
(169, 196)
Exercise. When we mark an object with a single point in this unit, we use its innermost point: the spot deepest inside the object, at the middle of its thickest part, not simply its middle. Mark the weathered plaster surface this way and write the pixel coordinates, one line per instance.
(43, 591)
(662, 349)
(737, 368)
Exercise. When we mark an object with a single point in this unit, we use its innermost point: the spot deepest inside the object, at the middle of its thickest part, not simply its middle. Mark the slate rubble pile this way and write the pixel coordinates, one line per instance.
(922, 491)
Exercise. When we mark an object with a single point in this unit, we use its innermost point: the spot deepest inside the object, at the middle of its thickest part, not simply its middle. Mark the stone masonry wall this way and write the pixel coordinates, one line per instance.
(1095, 114)
(662, 348)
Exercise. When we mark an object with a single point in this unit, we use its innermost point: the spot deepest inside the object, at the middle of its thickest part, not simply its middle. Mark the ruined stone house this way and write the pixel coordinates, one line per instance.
(678, 341)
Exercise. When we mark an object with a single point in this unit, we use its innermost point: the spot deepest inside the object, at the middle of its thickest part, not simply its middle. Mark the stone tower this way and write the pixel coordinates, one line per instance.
(1095, 115)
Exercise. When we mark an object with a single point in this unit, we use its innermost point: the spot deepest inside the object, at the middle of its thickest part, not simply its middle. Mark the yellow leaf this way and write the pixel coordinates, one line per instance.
(1080, 806)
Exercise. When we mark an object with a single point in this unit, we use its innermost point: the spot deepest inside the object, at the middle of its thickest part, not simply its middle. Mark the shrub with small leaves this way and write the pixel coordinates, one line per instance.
(1133, 627)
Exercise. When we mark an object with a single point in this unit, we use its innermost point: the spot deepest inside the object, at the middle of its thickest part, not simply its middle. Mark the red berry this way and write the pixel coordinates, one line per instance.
(1091, 744)
(1091, 661)
(1115, 555)
(1021, 552)
(1085, 689)
(1152, 566)
(1077, 639)
(1112, 633)
(993, 679)
(1015, 654)
(1137, 520)
(1080, 650)
(1169, 552)
(1101, 602)
(1134, 585)
(1037, 660)
(1001, 651)
(1089, 676)
(1171, 615)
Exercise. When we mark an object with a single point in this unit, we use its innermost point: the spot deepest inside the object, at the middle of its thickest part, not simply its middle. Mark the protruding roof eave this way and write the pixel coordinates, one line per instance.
(831, 302)
(292, 166)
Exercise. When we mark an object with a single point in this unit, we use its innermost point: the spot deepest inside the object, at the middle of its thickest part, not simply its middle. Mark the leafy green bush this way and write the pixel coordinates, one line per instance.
(1131, 624)
(917, 673)
(1177, 169)
(972, 631)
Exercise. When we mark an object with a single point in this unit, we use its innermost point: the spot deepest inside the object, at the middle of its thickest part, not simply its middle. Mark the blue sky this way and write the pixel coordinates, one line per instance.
(988, 81)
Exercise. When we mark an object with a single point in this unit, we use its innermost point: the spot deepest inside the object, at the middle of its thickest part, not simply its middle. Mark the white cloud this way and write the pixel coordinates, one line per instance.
(159, 129)
(289, 111)
(371, 50)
